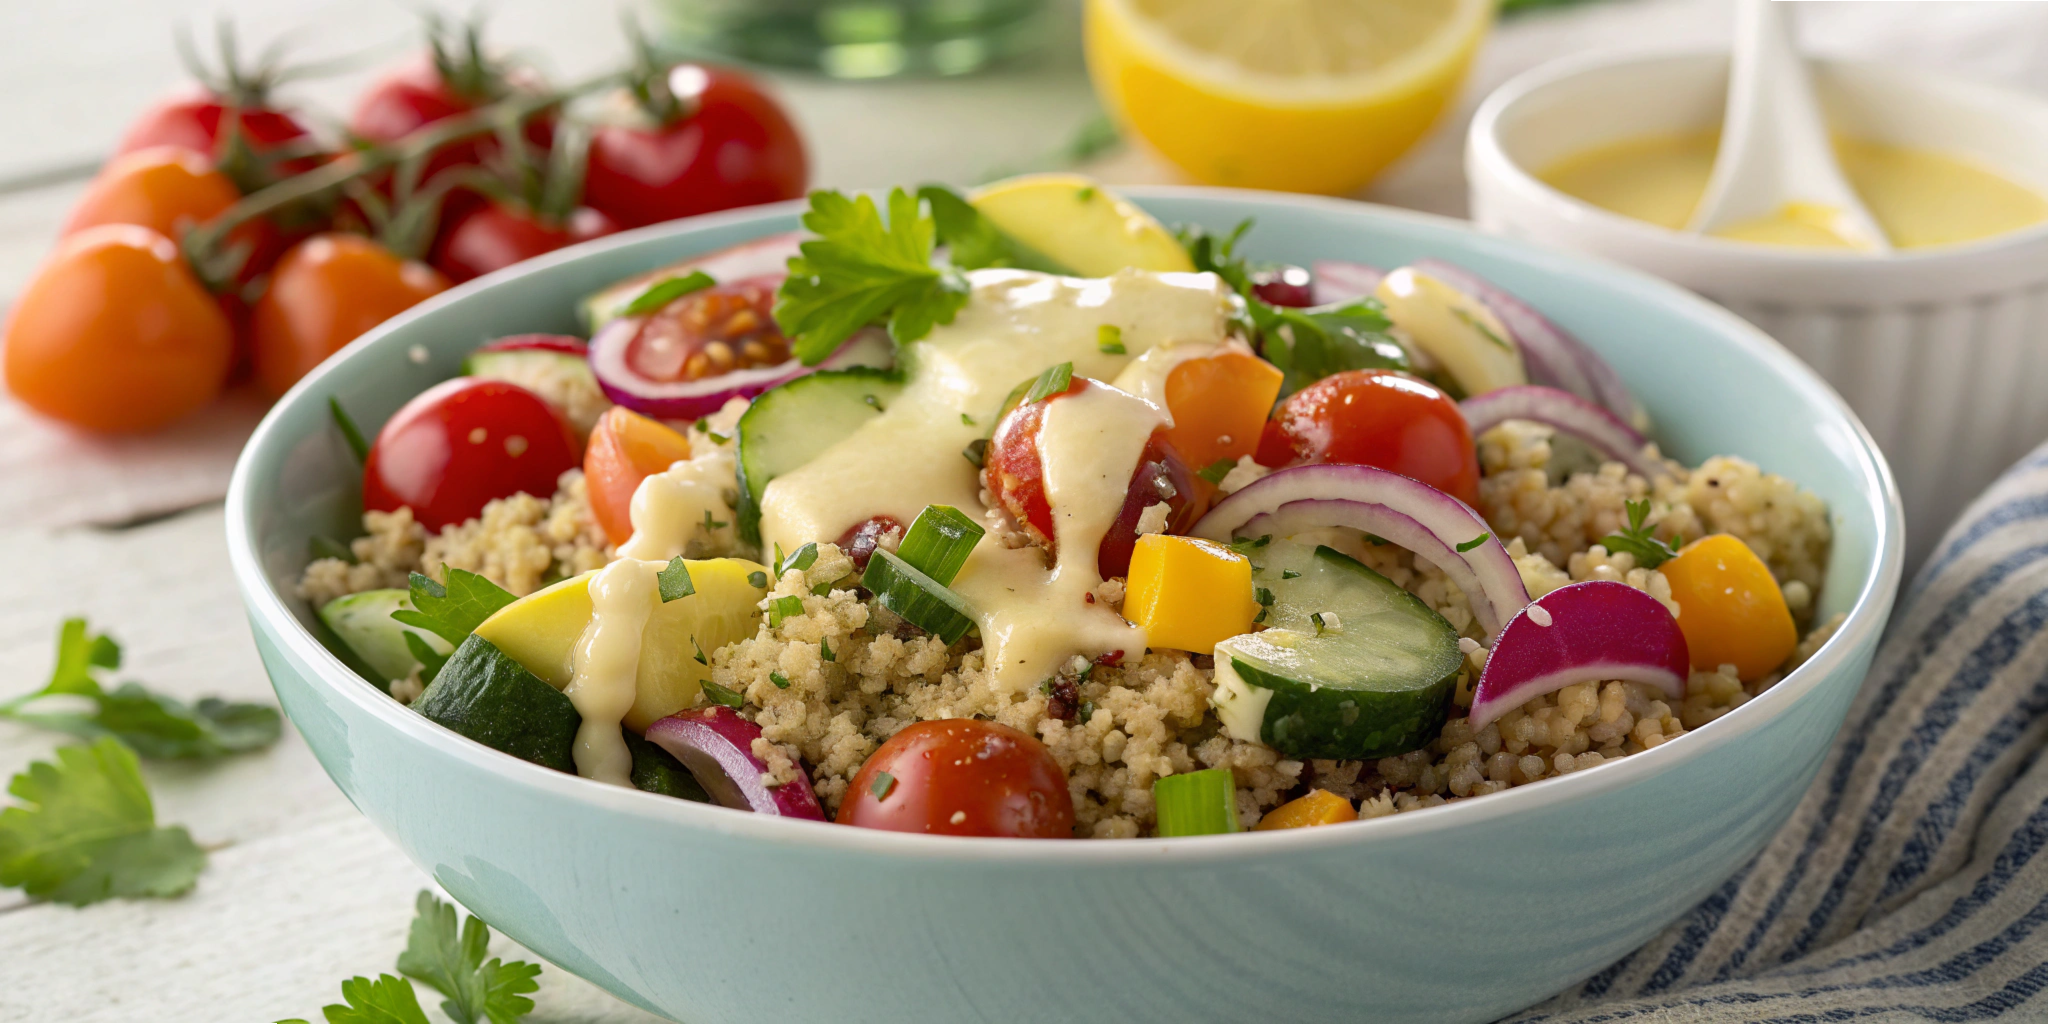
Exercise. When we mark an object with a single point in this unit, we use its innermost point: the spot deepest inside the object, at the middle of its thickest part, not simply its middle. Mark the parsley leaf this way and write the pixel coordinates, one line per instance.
(973, 241)
(1215, 471)
(675, 581)
(859, 271)
(454, 610)
(85, 831)
(154, 725)
(453, 962)
(665, 291)
(387, 1000)
(1639, 539)
(1055, 380)
(717, 694)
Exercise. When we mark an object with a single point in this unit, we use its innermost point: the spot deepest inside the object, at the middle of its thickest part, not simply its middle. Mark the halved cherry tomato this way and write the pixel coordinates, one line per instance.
(1377, 418)
(496, 235)
(460, 444)
(324, 293)
(1219, 405)
(961, 777)
(1017, 480)
(625, 449)
(731, 145)
(115, 334)
(729, 326)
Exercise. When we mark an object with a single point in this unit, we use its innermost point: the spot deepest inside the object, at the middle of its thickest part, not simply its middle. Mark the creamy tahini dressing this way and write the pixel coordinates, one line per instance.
(1146, 376)
(692, 498)
(1015, 325)
(607, 664)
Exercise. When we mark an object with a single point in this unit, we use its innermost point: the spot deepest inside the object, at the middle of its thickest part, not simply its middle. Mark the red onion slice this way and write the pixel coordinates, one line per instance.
(1327, 496)
(1551, 354)
(1595, 630)
(762, 257)
(717, 746)
(688, 400)
(567, 344)
(1339, 281)
(1568, 413)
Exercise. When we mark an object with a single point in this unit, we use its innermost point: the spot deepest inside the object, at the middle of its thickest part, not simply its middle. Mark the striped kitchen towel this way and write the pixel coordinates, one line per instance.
(1911, 883)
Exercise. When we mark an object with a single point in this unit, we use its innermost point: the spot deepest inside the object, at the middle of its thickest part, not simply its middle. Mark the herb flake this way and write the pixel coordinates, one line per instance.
(717, 694)
(665, 291)
(349, 432)
(1215, 471)
(883, 784)
(1055, 380)
(1474, 542)
(674, 581)
(1109, 339)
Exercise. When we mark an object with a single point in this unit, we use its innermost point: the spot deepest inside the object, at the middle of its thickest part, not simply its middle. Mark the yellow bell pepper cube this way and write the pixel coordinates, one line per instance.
(1730, 608)
(1188, 593)
(1319, 807)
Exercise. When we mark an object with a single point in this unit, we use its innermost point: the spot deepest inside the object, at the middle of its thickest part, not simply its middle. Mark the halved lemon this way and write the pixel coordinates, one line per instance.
(1297, 95)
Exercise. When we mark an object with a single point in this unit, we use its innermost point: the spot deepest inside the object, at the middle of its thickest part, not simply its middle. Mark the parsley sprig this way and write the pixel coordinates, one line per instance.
(451, 959)
(154, 725)
(1306, 344)
(1639, 539)
(85, 830)
(451, 611)
(861, 270)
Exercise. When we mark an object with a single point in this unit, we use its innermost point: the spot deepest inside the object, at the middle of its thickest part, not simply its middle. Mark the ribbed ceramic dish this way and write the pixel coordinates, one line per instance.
(1943, 352)
(1456, 914)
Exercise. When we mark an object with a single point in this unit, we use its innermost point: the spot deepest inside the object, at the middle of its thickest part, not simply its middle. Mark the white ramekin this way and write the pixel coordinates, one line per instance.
(1942, 352)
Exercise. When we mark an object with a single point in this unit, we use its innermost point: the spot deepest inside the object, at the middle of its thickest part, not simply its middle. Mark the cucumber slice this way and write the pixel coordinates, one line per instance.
(1373, 680)
(485, 695)
(522, 364)
(655, 770)
(363, 622)
(790, 425)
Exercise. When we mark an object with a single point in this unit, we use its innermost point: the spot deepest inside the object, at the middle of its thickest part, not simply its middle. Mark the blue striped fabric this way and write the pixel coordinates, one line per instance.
(1908, 885)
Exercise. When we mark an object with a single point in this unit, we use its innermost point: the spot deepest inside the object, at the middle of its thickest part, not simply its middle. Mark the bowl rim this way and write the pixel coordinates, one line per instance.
(1484, 151)
(269, 613)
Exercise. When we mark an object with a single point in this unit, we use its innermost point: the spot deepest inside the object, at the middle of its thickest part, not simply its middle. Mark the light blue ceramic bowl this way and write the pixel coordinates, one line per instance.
(1459, 913)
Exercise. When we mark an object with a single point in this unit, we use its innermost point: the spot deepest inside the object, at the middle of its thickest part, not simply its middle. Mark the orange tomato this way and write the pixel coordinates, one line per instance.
(1319, 807)
(1730, 608)
(626, 448)
(1219, 406)
(115, 334)
(326, 291)
(165, 188)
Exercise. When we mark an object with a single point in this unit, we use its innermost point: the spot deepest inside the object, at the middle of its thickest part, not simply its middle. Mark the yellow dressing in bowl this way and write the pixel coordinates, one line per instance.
(1919, 198)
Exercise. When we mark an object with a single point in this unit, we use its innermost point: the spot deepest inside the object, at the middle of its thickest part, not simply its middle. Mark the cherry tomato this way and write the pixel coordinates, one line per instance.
(115, 334)
(625, 449)
(194, 121)
(961, 777)
(169, 189)
(1377, 418)
(1017, 480)
(733, 146)
(462, 443)
(324, 293)
(418, 94)
(496, 235)
(710, 331)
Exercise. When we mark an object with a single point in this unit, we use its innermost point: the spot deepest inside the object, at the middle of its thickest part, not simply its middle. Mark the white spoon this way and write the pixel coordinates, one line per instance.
(1775, 147)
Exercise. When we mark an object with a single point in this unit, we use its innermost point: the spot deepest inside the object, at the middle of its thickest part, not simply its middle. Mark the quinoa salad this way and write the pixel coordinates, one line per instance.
(1018, 513)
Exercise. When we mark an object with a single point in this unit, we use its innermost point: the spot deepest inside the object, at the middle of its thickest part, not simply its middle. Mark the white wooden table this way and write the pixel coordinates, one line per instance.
(301, 891)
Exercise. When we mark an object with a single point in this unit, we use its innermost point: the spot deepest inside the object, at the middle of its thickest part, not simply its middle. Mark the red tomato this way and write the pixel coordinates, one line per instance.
(733, 146)
(496, 235)
(714, 330)
(961, 777)
(324, 293)
(1377, 418)
(114, 334)
(462, 443)
(1017, 479)
(193, 120)
(417, 94)
(625, 449)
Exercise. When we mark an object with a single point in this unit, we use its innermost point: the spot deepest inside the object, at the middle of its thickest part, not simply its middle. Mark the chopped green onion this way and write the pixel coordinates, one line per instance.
(884, 782)
(822, 589)
(966, 420)
(712, 525)
(1110, 339)
(1246, 547)
(976, 451)
(1215, 471)
(781, 681)
(1473, 543)
(675, 581)
(804, 558)
(347, 426)
(873, 402)
(701, 659)
(786, 607)
(939, 541)
(665, 291)
(758, 579)
(716, 437)
(1289, 574)
(720, 695)
(1052, 382)
(920, 600)
(825, 649)
(1197, 804)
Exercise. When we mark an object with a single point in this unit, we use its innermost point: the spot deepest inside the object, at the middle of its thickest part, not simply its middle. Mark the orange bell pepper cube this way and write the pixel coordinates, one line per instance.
(1219, 406)
(1319, 807)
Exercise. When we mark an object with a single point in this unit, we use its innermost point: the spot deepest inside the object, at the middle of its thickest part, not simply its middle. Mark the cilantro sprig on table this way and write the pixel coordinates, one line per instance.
(152, 724)
(85, 830)
(1306, 344)
(451, 959)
